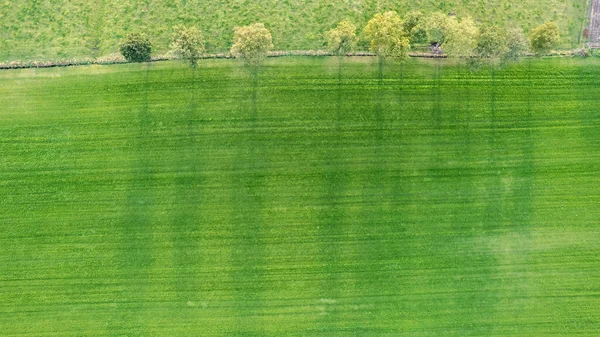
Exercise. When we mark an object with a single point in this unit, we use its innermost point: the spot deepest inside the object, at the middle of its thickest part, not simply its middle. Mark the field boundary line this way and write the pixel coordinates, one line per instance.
(118, 59)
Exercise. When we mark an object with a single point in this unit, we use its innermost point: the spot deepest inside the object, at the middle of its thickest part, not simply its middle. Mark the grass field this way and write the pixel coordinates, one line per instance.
(143, 200)
(52, 29)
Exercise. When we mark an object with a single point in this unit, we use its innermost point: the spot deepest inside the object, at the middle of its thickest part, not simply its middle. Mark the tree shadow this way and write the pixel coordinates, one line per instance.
(136, 230)
(187, 220)
(248, 223)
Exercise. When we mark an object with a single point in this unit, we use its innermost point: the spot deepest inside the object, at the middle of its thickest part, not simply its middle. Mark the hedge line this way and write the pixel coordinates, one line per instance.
(118, 59)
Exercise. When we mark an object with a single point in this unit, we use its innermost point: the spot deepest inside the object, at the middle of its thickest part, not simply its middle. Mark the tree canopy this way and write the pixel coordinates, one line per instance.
(492, 43)
(545, 37)
(187, 43)
(387, 37)
(460, 37)
(136, 48)
(436, 25)
(342, 39)
(252, 43)
(516, 43)
(414, 27)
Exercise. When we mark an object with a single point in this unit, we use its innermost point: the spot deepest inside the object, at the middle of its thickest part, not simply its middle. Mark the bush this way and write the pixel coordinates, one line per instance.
(136, 48)
(545, 37)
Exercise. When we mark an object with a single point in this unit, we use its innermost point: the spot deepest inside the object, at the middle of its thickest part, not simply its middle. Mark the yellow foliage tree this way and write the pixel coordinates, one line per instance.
(188, 44)
(252, 43)
(460, 37)
(342, 39)
(545, 37)
(387, 37)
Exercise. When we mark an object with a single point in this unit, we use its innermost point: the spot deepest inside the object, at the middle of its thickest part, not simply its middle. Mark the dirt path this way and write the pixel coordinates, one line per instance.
(594, 27)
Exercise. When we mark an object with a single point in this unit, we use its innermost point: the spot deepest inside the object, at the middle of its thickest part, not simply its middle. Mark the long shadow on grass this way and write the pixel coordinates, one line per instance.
(247, 199)
(189, 196)
(516, 238)
(333, 220)
(494, 212)
(376, 222)
(136, 229)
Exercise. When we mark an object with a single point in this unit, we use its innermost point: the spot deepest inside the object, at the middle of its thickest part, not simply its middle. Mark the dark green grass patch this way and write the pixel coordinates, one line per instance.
(147, 200)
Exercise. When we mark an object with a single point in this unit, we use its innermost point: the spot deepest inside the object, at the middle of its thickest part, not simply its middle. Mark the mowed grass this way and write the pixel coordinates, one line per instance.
(84, 28)
(145, 200)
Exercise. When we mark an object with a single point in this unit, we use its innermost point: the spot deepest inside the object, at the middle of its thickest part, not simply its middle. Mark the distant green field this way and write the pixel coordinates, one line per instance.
(51, 29)
(138, 200)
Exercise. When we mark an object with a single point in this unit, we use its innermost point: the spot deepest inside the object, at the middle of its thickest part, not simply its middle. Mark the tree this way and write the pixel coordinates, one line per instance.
(188, 44)
(136, 48)
(388, 41)
(386, 36)
(414, 27)
(342, 39)
(436, 25)
(516, 43)
(252, 43)
(544, 37)
(492, 44)
(460, 37)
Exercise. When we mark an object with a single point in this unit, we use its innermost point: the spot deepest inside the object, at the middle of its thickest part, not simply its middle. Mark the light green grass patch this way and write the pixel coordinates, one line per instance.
(83, 28)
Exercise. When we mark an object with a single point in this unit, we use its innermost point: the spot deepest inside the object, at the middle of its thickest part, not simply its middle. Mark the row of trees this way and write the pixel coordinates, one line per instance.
(251, 44)
(389, 36)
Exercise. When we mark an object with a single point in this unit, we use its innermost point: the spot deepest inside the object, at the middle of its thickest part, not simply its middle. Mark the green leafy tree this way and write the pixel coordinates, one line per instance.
(414, 27)
(492, 44)
(386, 36)
(342, 39)
(516, 43)
(136, 48)
(436, 26)
(252, 43)
(188, 44)
(460, 37)
(544, 37)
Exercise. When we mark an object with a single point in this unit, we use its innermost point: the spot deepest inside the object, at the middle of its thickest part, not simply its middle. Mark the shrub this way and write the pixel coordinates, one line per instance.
(545, 37)
(136, 48)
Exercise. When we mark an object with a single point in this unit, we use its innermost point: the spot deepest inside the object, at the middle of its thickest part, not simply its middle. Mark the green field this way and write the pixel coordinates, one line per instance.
(52, 29)
(144, 200)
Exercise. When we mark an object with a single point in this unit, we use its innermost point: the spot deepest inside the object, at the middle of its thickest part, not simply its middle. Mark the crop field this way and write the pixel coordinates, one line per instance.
(150, 200)
(52, 29)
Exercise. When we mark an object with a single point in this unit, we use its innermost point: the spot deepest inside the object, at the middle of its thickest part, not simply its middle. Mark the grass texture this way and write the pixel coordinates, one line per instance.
(54, 29)
(148, 200)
